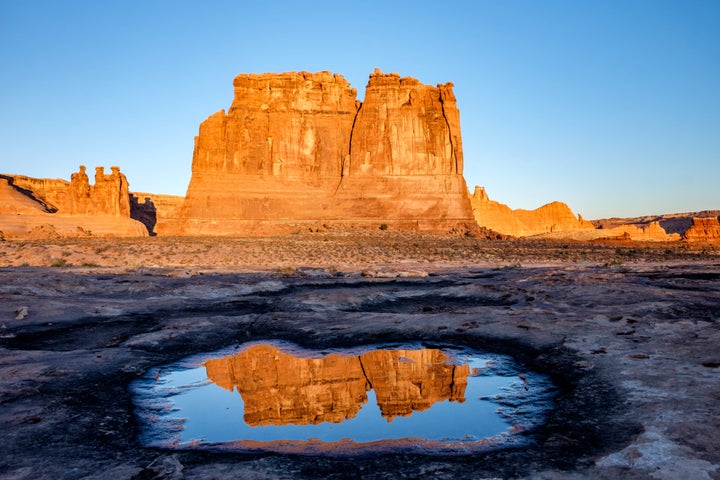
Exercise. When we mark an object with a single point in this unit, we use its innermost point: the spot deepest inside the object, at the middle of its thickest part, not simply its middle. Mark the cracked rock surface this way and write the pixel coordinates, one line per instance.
(634, 350)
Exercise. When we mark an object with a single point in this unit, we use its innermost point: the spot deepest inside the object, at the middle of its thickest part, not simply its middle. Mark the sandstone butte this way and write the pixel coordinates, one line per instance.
(703, 230)
(280, 389)
(54, 207)
(553, 217)
(297, 149)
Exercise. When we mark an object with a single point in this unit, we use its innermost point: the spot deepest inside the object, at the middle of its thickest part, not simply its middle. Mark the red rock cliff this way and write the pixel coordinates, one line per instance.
(703, 230)
(299, 147)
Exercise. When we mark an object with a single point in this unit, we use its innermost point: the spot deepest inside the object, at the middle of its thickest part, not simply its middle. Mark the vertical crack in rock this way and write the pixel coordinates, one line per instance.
(345, 161)
(362, 367)
(453, 155)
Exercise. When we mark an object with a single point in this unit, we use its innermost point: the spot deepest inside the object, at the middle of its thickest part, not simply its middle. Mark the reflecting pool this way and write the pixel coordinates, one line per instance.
(276, 396)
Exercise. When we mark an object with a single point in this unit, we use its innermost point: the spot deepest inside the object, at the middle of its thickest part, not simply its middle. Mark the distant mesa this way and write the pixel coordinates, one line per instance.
(703, 230)
(551, 218)
(298, 147)
(693, 227)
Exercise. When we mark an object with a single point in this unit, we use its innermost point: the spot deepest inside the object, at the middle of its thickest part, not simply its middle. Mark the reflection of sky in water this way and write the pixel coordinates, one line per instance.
(213, 414)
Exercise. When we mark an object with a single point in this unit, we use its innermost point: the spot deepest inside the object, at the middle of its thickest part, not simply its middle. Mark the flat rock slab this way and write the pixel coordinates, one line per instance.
(634, 350)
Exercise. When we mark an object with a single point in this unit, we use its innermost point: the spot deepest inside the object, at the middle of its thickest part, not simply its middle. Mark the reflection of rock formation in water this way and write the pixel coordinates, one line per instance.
(279, 389)
(413, 380)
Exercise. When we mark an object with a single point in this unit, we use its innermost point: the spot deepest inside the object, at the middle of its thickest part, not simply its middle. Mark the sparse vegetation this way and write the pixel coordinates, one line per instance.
(359, 246)
(59, 262)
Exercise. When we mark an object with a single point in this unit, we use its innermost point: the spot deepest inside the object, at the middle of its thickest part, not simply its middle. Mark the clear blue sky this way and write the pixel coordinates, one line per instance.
(610, 106)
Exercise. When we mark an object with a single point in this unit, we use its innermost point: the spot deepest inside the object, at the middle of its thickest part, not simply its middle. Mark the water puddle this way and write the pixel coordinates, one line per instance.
(275, 396)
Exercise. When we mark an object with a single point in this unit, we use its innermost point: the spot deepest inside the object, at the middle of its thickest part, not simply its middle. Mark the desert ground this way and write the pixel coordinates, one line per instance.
(629, 333)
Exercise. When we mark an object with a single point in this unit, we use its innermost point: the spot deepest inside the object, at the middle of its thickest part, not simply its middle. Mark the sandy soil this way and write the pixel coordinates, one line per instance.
(347, 251)
(629, 333)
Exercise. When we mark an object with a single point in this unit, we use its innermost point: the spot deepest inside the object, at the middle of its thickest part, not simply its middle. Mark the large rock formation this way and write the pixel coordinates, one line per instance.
(280, 389)
(674, 225)
(296, 148)
(651, 232)
(550, 218)
(703, 230)
(68, 208)
(108, 196)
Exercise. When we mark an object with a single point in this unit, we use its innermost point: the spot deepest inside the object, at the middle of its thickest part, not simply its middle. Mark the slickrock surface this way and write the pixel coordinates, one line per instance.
(299, 147)
(555, 217)
(629, 335)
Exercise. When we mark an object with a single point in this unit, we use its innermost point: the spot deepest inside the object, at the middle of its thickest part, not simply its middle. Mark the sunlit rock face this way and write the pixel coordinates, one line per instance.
(703, 230)
(299, 147)
(550, 218)
(280, 389)
(75, 208)
(107, 196)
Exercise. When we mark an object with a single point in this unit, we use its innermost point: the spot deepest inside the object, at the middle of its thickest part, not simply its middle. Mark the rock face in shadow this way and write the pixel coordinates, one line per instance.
(151, 208)
(299, 147)
(550, 218)
(280, 389)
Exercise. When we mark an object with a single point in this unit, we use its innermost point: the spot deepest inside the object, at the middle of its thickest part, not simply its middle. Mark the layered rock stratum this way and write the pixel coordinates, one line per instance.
(551, 218)
(42, 207)
(299, 147)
